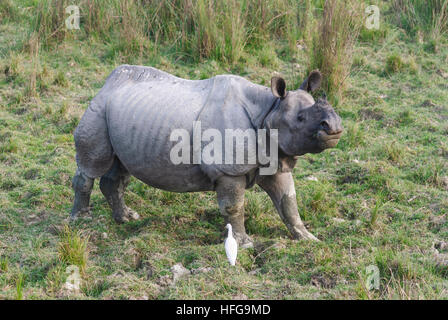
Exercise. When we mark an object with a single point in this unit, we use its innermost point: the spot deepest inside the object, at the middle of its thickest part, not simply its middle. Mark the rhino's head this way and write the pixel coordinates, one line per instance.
(304, 125)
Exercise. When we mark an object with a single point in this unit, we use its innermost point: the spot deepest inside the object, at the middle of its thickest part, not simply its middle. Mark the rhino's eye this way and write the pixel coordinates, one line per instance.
(300, 118)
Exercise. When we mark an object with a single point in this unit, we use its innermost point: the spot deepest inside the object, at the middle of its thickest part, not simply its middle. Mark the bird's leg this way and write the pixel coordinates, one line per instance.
(280, 187)
(230, 191)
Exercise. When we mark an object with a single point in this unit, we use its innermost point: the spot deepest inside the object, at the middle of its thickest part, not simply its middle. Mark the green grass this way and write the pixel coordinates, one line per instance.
(381, 196)
(19, 286)
(72, 248)
(416, 16)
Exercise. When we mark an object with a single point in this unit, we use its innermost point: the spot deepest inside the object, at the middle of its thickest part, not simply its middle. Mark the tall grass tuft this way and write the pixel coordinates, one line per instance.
(375, 211)
(4, 264)
(195, 29)
(49, 21)
(429, 16)
(131, 30)
(221, 30)
(8, 11)
(99, 17)
(72, 248)
(19, 286)
(333, 44)
(33, 47)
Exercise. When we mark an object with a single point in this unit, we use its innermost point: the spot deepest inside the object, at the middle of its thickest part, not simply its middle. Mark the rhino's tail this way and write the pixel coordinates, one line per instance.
(94, 153)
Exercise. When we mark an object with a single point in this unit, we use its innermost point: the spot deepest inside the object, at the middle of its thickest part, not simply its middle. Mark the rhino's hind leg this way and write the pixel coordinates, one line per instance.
(112, 185)
(82, 185)
(230, 191)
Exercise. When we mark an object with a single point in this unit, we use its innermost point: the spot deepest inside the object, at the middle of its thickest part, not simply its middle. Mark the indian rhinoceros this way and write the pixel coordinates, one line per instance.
(126, 130)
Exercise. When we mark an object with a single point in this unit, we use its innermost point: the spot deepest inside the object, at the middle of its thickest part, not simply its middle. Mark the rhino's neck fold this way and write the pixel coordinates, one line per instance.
(274, 107)
(258, 101)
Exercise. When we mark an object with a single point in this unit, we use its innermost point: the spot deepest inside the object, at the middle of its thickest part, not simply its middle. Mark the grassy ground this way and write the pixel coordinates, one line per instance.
(381, 196)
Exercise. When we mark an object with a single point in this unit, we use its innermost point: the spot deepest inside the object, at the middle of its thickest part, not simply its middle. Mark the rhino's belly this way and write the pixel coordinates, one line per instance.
(176, 179)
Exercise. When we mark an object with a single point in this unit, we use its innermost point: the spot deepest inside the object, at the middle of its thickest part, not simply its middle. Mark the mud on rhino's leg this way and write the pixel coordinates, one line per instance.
(112, 185)
(82, 185)
(230, 192)
(280, 187)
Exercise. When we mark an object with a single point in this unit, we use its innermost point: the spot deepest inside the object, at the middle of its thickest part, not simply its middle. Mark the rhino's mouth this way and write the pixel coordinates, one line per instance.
(328, 140)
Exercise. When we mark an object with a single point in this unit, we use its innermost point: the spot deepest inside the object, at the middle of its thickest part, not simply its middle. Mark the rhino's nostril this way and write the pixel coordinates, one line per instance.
(325, 126)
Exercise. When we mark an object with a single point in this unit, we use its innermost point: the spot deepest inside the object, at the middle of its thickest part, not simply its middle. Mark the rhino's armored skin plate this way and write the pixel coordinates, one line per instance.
(127, 127)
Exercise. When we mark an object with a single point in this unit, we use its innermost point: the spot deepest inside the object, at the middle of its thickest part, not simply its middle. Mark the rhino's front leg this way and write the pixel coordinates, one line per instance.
(280, 187)
(230, 191)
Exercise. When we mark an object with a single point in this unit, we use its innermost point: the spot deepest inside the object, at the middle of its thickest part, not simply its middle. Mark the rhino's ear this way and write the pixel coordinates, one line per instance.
(313, 82)
(278, 87)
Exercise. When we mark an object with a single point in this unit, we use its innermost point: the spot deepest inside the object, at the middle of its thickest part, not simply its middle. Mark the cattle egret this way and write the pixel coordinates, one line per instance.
(231, 246)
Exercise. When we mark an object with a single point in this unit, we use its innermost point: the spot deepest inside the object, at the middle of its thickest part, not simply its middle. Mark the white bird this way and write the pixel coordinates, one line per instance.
(231, 246)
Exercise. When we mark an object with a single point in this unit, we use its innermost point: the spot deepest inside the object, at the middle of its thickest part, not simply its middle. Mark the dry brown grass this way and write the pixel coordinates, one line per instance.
(430, 16)
(334, 42)
(33, 45)
(197, 29)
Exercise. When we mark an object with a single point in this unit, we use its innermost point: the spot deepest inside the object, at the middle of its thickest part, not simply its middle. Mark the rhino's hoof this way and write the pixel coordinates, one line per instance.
(305, 235)
(132, 215)
(126, 216)
(244, 241)
(312, 238)
(75, 214)
(299, 232)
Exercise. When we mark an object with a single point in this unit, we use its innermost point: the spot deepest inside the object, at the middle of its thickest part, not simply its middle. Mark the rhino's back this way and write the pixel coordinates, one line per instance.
(143, 107)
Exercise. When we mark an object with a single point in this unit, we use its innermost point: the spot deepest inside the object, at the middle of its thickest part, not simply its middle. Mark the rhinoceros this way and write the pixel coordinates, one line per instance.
(126, 130)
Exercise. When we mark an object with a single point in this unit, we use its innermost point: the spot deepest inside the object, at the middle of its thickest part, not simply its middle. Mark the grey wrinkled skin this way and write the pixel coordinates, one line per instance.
(126, 131)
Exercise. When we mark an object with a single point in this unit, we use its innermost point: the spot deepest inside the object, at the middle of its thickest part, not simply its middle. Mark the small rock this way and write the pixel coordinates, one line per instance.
(240, 296)
(70, 287)
(443, 74)
(104, 235)
(441, 245)
(383, 96)
(254, 272)
(179, 271)
(445, 182)
(338, 220)
(438, 221)
(311, 178)
(441, 259)
(300, 44)
(358, 222)
(165, 281)
(201, 270)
